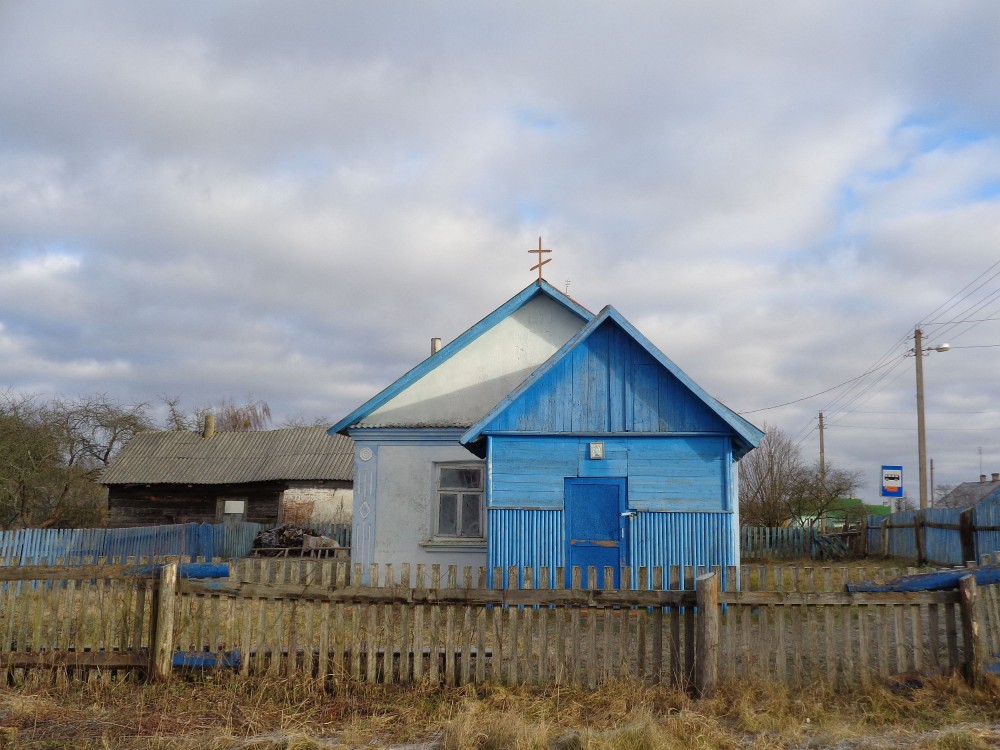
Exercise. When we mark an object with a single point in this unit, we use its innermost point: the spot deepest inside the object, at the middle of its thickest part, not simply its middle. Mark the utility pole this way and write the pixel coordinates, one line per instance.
(933, 495)
(918, 352)
(822, 453)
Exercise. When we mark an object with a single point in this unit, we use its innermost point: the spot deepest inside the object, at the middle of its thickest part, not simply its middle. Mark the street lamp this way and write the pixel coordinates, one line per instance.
(920, 352)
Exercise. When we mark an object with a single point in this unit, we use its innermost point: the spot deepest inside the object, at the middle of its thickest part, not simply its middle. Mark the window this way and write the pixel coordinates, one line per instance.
(459, 509)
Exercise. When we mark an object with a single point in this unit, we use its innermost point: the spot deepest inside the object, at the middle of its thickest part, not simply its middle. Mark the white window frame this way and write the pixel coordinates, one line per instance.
(436, 504)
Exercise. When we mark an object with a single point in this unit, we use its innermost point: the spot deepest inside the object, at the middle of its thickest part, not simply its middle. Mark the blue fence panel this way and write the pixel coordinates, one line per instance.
(51, 546)
(902, 541)
(942, 546)
(875, 535)
(987, 513)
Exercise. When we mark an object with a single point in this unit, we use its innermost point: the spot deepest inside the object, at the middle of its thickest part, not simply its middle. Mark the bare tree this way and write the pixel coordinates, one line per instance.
(778, 488)
(770, 480)
(820, 492)
(51, 454)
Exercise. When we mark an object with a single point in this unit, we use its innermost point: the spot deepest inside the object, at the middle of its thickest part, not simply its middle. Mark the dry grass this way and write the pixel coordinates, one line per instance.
(227, 713)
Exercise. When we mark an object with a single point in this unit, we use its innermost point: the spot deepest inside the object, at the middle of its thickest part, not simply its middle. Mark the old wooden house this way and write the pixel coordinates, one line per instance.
(546, 436)
(298, 475)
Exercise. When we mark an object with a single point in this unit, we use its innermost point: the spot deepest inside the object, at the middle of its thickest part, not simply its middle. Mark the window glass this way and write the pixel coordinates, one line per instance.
(448, 513)
(470, 515)
(463, 478)
(459, 501)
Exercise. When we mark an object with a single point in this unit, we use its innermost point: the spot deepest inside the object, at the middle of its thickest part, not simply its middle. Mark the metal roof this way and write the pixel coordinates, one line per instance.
(182, 457)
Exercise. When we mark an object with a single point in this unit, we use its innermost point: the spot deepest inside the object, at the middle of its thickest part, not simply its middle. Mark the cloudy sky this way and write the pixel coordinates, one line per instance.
(288, 199)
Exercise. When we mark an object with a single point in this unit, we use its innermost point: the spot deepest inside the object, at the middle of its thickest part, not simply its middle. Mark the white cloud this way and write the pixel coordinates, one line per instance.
(199, 201)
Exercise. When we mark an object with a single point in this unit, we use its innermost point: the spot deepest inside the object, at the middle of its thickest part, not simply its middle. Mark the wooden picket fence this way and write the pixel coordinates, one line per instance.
(425, 624)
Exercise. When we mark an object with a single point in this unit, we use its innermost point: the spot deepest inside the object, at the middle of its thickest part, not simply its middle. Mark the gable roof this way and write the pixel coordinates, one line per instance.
(748, 435)
(530, 294)
(182, 457)
(968, 494)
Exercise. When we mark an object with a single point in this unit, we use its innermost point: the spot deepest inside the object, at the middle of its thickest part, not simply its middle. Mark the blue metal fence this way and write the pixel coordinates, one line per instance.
(50, 546)
(938, 536)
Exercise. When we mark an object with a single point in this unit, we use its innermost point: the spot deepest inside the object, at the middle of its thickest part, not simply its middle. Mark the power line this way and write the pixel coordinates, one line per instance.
(806, 398)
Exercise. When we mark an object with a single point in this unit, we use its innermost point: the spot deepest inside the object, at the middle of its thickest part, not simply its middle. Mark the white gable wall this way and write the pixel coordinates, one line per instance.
(463, 388)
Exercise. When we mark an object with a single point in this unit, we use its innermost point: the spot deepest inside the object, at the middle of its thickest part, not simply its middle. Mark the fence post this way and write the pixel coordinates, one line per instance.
(707, 648)
(162, 651)
(967, 534)
(919, 531)
(970, 630)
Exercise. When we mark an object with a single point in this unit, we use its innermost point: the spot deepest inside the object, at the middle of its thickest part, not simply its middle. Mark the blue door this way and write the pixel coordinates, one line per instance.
(595, 527)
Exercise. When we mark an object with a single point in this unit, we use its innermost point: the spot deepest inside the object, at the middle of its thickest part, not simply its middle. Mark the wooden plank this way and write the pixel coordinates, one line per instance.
(435, 631)
(561, 673)
(574, 669)
(951, 636)
(75, 572)
(476, 597)
(657, 628)
(418, 630)
(864, 660)
(450, 676)
(689, 634)
(543, 630)
(883, 619)
(95, 659)
(591, 650)
(163, 645)
(933, 637)
(498, 630)
(676, 668)
(831, 667)
(971, 641)
(708, 634)
(481, 634)
(528, 630)
(405, 646)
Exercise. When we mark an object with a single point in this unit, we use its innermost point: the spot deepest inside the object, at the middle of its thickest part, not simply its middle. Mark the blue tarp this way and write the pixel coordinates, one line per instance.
(939, 580)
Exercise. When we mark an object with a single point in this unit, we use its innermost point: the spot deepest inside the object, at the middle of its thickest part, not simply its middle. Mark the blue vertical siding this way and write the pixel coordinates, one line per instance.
(536, 538)
(987, 513)
(609, 383)
(53, 546)
(697, 540)
(526, 539)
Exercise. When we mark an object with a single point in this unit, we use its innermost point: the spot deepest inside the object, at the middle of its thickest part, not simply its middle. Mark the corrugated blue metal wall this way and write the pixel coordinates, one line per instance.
(536, 538)
(688, 539)
(526, 539)
(50, 546)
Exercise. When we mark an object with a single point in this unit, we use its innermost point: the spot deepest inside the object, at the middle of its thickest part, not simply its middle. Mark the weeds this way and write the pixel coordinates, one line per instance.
(227, 713)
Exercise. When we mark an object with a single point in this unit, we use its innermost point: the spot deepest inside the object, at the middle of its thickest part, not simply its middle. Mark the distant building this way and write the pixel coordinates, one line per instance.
(547, 436)
(968, 494)
(299, 475)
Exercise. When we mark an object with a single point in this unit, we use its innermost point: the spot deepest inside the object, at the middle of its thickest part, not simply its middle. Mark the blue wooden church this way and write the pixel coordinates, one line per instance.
(548, 436)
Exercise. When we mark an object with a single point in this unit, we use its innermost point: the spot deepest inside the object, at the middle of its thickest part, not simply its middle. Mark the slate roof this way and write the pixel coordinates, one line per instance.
(181, 457)
(968, 494)
(368, 415)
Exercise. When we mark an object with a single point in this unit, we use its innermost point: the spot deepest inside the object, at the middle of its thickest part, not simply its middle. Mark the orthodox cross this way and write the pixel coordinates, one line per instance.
(541, 262)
